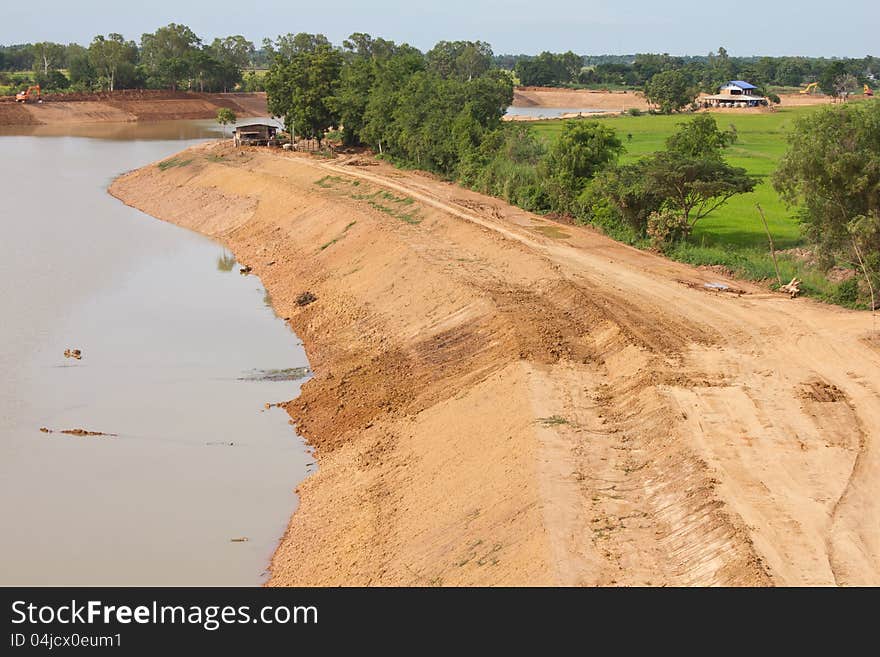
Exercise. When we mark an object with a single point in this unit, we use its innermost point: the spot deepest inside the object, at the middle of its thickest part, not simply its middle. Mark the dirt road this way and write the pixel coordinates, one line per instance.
(502, 400)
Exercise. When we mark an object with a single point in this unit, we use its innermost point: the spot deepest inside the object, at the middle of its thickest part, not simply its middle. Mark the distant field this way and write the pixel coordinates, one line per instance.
(760, 145)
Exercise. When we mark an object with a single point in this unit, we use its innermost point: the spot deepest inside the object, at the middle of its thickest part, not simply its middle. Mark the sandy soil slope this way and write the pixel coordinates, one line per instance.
(578, 98)
(502, 400)
(122, 106)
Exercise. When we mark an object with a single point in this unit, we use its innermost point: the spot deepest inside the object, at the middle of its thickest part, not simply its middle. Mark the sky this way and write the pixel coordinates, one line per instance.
(845, 28)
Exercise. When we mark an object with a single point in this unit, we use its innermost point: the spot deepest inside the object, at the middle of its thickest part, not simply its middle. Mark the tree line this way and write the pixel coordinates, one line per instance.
(704, 73)
(173, 57)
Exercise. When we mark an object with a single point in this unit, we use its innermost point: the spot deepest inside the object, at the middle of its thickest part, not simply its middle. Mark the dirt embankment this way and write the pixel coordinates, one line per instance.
(553, 97)
(501, 400)
(126, 106)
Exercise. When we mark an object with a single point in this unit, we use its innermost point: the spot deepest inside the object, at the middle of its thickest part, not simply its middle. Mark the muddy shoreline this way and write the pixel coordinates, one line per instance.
(495, 402)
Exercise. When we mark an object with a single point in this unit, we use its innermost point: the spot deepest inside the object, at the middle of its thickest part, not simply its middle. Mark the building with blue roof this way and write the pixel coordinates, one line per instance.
(736, 93)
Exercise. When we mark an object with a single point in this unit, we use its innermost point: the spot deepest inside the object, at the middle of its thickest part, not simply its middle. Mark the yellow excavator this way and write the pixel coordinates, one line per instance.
(29, 95)
(867, 90)
(810, 88)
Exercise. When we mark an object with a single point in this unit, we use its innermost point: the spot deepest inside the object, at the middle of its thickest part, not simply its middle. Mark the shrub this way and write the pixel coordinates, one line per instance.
(666, 227)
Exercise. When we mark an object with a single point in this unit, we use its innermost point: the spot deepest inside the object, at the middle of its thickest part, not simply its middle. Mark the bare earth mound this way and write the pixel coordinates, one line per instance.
(501, 400)
(578, 98)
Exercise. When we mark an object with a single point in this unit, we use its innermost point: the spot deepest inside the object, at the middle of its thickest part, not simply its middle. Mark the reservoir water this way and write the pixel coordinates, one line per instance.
(172, 338)
(549, 112)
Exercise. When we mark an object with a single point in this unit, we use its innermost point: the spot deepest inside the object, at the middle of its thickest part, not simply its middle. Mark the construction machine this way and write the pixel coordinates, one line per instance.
(809, 88)
(29, 95)
(868, 91)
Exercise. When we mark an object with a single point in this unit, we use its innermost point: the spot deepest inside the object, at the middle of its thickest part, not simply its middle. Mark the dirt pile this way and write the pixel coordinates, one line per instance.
(124, 106)
(495, 402)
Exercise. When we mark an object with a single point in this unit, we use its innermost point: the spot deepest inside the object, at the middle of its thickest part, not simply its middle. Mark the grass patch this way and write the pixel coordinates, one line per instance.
(757, 265)
(399, 207)
(339, 237)
(173, 162)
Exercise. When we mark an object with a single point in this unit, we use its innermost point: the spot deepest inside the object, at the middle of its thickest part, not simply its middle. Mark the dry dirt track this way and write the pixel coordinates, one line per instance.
(501, 400)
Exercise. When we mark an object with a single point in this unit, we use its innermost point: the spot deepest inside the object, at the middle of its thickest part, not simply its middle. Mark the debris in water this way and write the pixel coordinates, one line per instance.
(288, 374)
(77, 432)
(220, 442)
(305, 299)
(244, 271)
(240, 539)
(73, 353)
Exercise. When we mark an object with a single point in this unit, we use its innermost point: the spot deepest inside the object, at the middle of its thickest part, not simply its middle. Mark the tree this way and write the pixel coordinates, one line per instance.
(700, 137)
(831, 73)
(107, 55)
(225, 116)
(164, 53)
(288, 46)
(47, 55)
(462, 59)
(581, 151)
(363, 56)
(629, 191)
(300, 89)
(544, 70)
(694, 186)
(670, 91)
(845, 84)
(831, 172)
(232, 54)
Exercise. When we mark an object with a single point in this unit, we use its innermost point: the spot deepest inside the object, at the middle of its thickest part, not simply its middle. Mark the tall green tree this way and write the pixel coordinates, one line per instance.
(164, 53)
(670, 90)
(47, 56)
(582, 150)
(300, 89)
(694, 186)
(108, 54)
(700, 137)
(831, 173)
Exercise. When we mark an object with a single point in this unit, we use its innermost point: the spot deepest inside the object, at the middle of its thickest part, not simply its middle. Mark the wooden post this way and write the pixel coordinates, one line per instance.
(770, 239)
(867, 279)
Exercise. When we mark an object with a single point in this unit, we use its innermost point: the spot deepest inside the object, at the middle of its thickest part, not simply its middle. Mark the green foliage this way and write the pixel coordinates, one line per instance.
(667, 226)
(549, 69)
(465, 60)
(695, 186)
(670, 90)
(172, 162)
(225, 116)
(700, 137)
(629, 197)
(505, 165)
(832, 174)
(582, 150)
(301, 83)
(106, 55)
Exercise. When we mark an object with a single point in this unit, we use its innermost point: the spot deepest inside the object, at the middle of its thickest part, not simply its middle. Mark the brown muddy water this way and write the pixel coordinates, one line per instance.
(172, 338)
